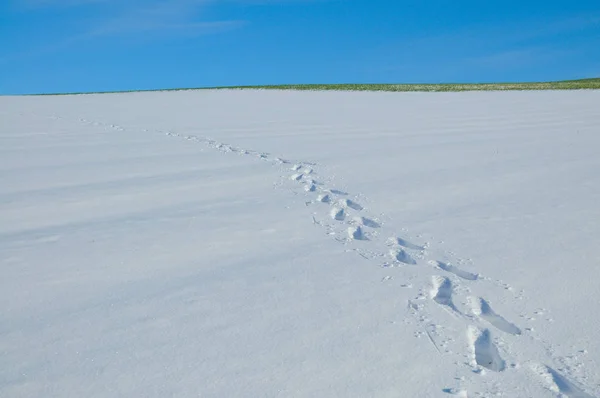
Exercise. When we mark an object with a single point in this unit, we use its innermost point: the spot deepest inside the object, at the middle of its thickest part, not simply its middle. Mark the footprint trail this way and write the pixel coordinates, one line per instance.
(365, 230)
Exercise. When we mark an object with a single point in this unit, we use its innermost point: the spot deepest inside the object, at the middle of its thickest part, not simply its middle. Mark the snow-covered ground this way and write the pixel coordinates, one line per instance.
(300, 244)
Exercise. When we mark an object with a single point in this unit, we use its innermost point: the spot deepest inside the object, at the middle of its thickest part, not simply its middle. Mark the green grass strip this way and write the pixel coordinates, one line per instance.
(583, 84)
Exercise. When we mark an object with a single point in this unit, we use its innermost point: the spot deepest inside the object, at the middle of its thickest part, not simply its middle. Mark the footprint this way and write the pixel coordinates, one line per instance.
(338, 192)
(483, 309)
(356, 233)
(457, 392)
(337, 214)
(296, 167)
(558, 383)
(324, 198)
(455, 270)
(484, 350)
(307, 171)
(220, 147)
(442, 292)
(367, 222)
(402, 256)
(296, 177)
(350, 204)
(310, 187)
(407, 244)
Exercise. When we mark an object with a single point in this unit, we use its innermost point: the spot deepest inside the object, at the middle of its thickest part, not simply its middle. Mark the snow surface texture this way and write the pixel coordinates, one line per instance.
(300, 244)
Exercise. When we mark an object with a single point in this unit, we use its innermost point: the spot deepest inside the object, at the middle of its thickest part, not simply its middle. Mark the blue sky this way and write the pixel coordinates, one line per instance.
(101, 45)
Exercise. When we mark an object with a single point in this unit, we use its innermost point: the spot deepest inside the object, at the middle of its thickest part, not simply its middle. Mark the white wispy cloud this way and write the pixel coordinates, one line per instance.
(56, 3)
(168, 19)
(171, 16)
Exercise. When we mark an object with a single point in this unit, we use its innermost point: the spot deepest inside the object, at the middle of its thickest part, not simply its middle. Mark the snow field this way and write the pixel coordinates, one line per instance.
(300, 244)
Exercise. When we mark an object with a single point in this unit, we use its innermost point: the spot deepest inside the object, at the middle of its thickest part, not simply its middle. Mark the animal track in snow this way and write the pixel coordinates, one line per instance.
(483, 309)
(296, 167)
(337, 214)
(455, 270)
(557, 383)
(402, 256)
(485, 352)
(296, 177)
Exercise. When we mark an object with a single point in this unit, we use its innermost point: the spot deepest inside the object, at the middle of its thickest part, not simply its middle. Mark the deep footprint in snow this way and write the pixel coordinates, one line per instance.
(310, 187)
(442, 292)
(337, 214)
(366, 222)
(483, 309)
(459, 393)
(558, 383)
(455, 270)
(350, 204)
(222, 147)
(407, 244)
(401, 256)
(296, 177)
(323, 198)
(338, 192)
(296, 167)
(356, 233)
(484, 350)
